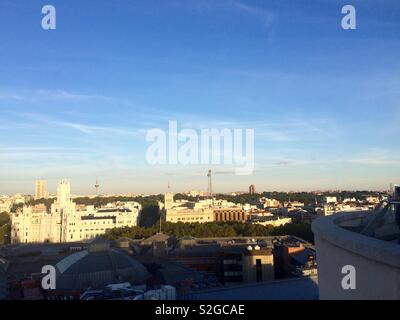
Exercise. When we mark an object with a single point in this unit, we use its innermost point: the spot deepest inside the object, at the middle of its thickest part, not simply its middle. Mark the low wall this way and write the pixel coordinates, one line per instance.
(376, 262)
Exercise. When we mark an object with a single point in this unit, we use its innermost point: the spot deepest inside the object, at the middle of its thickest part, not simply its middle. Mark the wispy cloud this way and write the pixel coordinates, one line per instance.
(377, 157)
(36, 153)
(83, 128)
(286, 129)
(35, 95)
(282, 163)
(98, 130)
(266, 15)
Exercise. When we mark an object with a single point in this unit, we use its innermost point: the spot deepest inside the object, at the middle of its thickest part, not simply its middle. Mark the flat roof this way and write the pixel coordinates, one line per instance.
(305, 288)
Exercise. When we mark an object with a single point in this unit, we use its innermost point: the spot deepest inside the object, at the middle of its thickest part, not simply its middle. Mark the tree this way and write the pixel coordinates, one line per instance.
(149, 216)
(5, 232)
(4, 218)
(5, 227)
(301, 230)
(213, 229)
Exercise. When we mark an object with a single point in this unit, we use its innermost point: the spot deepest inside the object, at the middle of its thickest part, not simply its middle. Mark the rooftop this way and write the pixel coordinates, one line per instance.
(305, 288)
(158, 237)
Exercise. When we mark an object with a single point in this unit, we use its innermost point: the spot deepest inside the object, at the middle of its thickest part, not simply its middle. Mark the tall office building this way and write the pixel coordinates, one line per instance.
(41, 189)
(252, 189)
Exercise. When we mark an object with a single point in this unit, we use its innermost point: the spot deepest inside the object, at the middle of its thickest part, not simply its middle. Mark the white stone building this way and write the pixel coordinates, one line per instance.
(207, 210)
(65, 223)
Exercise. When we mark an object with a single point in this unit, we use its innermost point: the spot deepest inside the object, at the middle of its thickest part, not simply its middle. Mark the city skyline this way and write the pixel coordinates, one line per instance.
(77, 101)
(52, 190)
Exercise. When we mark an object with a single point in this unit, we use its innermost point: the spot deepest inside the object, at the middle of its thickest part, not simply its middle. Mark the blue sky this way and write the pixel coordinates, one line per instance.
(76, 102)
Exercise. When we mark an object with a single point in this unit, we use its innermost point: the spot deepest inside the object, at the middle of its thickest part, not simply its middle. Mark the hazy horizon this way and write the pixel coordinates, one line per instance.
(52, 189)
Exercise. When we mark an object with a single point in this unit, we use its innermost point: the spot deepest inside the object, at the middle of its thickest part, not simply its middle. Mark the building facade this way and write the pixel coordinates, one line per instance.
(258, 264)
(65, 222)
(231, 214)
(189, 215)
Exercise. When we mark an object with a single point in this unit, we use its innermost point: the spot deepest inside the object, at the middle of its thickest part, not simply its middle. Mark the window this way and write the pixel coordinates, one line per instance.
(258, 270)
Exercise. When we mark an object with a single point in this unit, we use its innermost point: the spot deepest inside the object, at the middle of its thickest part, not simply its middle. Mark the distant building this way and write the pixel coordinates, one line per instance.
(373, 200)
(185, 212)
(331, 199)
(19, 198)
(202, 211)
(41, 189)
(270, 203)
(326, 210)
(346, 206)
(252, 189)
(195, 193)
(6, 204)
(294, 205)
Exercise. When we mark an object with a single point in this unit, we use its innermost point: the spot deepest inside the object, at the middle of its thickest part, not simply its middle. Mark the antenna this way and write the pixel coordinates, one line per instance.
(160, 229)
(97, 185)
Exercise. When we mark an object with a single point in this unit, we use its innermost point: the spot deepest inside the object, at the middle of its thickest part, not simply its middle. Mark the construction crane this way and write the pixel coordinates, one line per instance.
(209, 189)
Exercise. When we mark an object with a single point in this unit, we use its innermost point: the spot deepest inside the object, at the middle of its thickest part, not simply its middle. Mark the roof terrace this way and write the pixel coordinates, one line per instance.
(367, 241)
